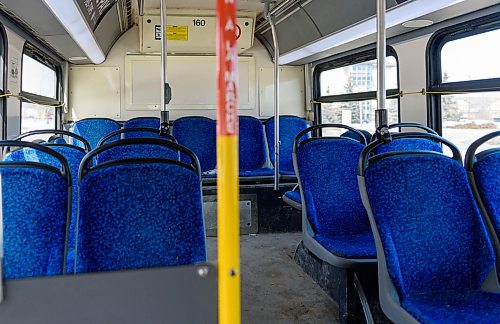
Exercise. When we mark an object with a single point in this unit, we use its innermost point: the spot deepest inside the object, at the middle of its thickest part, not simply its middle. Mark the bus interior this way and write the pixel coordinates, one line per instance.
(255, 161)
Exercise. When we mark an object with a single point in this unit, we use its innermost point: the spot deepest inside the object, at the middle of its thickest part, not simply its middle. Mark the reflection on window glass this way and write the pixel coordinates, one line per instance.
(35, 117)
(466, 117)
(357, 114)
(361, 77)
(38, 78)
(471, 58)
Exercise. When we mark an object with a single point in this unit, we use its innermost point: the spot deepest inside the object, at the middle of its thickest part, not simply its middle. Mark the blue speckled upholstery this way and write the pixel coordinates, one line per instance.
(294, 195)
(150, 122)
(34, 217)
(487, 177)
(253, 152)
(199, 135)
(436, 246)
(354, 136)
(290, 126)
(137, 151)
(327, 170)
(138, 216)
(456, 307)
(409, 144)
(74, 157)
(59, 140)
(94, 129)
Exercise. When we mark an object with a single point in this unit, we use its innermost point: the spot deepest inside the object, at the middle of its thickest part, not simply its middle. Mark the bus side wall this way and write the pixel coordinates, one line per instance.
(412, 77)
(14, 79)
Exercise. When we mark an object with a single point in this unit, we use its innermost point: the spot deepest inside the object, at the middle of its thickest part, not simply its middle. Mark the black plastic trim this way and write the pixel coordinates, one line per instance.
(133, 130)
(60, 132)
(470, 156)
(84, 166)
(367, 151)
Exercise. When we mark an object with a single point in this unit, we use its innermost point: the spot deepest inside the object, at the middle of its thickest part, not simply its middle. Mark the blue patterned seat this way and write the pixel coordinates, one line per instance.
(485, 168)
(339, 229)
(35, 211)
(355, 136)
(293, 199)
(126, 149)
(141, 122)
(409, 144)
(199, 135)
(434, 250)
(253, 151)
(140, 213)
(73, 155)
(290, 126)
(94, 129)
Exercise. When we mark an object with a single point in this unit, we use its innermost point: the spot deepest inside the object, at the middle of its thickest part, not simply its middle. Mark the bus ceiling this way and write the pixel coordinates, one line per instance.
(307, 30)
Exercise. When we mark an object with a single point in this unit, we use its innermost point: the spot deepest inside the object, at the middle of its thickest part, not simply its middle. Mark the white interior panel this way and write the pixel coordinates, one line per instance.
(192, 79)
(292, 96)
(197, 36)
(100, 97)
(412, 77)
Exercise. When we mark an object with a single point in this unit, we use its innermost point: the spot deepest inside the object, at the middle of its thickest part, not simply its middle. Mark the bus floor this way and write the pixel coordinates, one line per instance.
(274, 288)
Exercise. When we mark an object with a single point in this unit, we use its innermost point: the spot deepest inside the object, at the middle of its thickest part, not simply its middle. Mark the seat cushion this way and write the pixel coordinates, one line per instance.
(351, 246)
(294, 195)
(455, 307)
(262, 172)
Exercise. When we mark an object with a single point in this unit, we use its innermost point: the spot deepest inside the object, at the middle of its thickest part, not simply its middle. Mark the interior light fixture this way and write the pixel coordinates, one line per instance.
(418, 23)
(395, 16)
(70, 16)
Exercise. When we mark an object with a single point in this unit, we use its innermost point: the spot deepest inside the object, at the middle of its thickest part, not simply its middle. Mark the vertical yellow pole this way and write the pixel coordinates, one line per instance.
(228, 225)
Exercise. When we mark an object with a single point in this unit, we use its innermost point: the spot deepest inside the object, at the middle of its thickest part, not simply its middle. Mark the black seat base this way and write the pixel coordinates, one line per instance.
(339, 284)
(271, 216)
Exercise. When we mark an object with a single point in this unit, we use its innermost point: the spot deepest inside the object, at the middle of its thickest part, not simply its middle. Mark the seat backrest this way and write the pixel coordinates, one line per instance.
(131, 149)
(485, 168)
(141, 122)
(140, 213)
(35, 207)
(199, 135)
(409, 144)
(426, 221)
(355, 136)
(327, 173)
(290, 126)
(252, 145)
(73, 155)
(135, 132)
(94, 129)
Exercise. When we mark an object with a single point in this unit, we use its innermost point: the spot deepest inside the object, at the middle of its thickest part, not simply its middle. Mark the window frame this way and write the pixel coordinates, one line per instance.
(35, 53)
(3, 86)
(352, 59)
(434, 68)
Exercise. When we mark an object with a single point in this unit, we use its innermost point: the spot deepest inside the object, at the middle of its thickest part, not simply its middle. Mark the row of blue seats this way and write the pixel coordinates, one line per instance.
(61, 207)
(293, 197)
(431, 225)
(256, 153)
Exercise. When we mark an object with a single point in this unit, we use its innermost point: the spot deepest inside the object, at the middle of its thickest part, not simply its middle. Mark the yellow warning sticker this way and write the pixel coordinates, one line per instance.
(179, 33)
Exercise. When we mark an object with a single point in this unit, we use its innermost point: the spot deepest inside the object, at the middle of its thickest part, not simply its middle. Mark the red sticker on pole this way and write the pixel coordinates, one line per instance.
(227, 68)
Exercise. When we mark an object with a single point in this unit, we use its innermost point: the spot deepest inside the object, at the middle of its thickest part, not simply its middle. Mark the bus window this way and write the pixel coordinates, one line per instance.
(347, 90)
(40, 92)
(465, 78)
